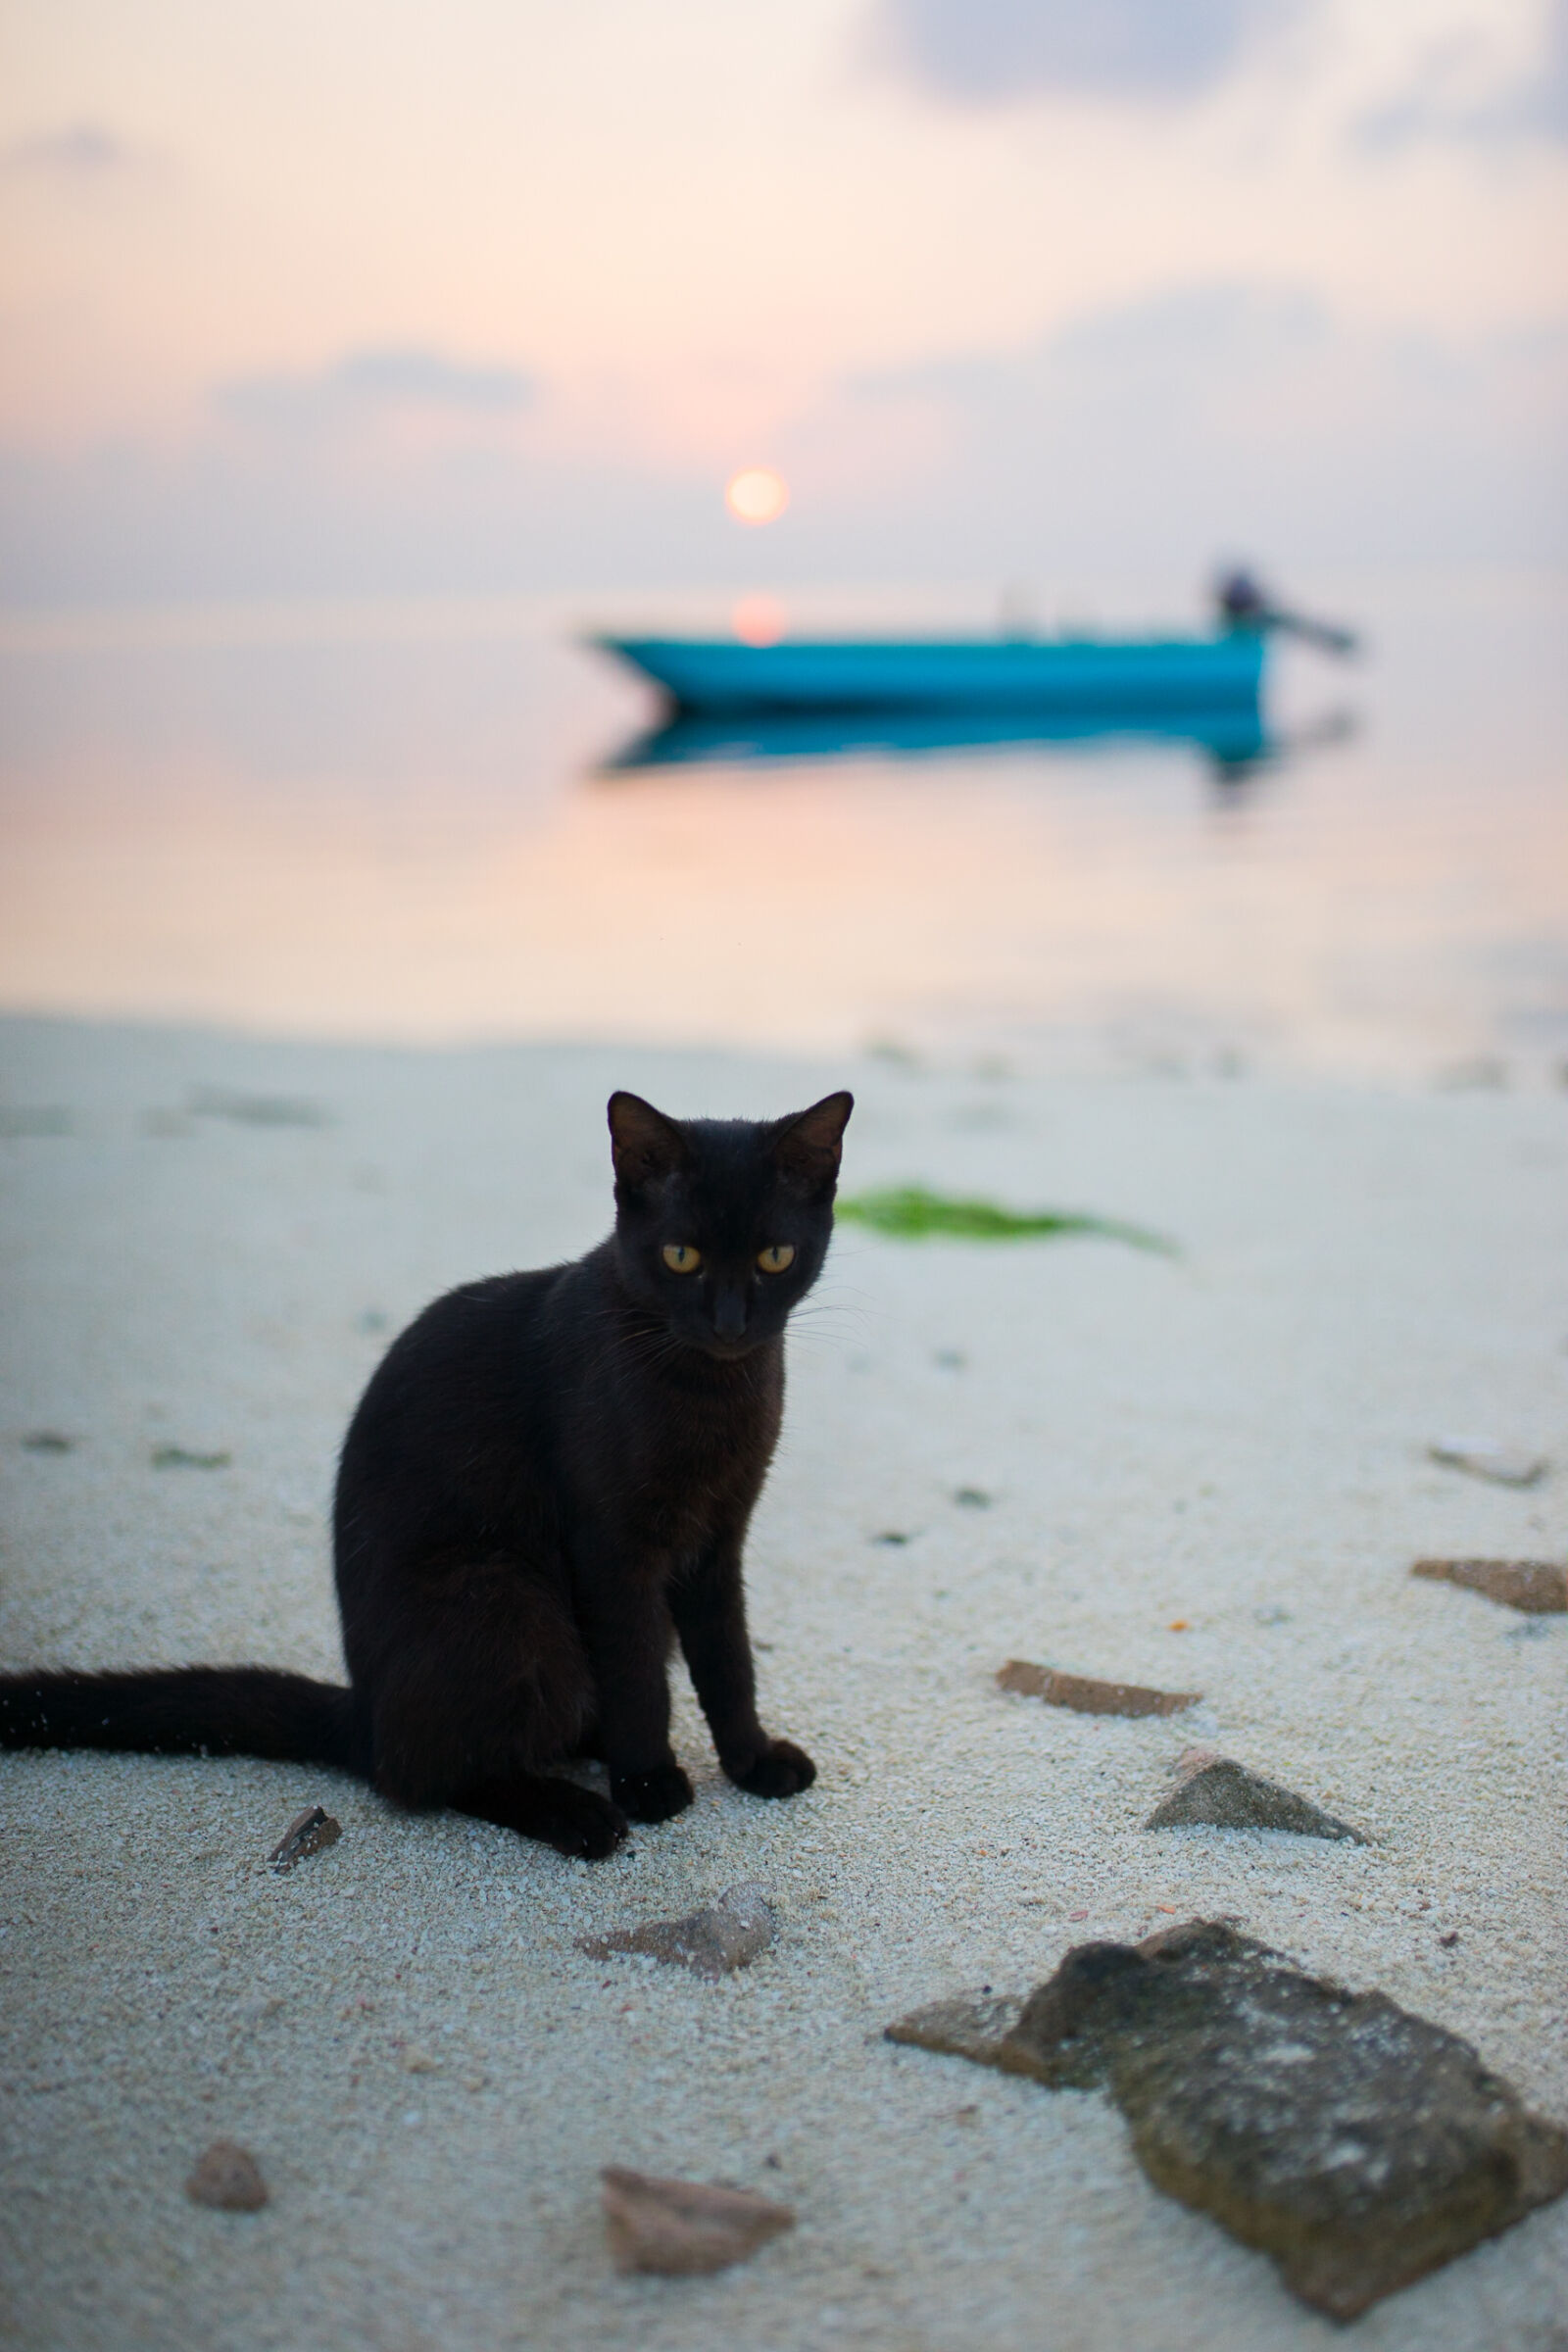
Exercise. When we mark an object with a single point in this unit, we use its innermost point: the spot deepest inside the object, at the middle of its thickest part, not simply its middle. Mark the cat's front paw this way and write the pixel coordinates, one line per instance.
(652, 1795)
(781, 1770)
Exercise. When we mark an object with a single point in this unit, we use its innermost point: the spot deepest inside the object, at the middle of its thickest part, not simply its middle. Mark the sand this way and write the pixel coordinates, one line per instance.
(1208, 1473)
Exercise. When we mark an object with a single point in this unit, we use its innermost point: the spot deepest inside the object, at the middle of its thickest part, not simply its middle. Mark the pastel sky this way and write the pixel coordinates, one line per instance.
(496, 293)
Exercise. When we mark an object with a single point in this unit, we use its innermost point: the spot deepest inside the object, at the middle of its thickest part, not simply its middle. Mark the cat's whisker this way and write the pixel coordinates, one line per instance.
(852, 1319)
(827, 1342)
(839, 1300)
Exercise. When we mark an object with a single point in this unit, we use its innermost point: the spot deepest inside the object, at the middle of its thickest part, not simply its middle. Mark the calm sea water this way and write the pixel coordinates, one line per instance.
(438, 823)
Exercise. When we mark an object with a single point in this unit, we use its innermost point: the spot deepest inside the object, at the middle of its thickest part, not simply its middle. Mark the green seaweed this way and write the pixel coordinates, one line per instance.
(909, 1212)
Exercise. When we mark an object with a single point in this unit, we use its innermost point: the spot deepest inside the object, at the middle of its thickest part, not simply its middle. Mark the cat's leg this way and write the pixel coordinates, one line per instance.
(626, 1625)
(709, 1604)
(489, 1682)
(574, 1821)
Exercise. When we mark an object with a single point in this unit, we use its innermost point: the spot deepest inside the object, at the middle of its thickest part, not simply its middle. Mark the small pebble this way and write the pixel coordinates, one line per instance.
(713, 1943)
(1483, 1457)
(683, 2228)
(1086, 1696)
(1539, 1587)
(228, 2178)
(307, 1833)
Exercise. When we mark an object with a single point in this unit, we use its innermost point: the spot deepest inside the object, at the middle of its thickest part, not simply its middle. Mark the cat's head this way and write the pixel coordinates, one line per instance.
(721, 1225)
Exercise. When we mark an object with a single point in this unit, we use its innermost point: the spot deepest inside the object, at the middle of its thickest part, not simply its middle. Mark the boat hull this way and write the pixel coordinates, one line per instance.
(722, 677)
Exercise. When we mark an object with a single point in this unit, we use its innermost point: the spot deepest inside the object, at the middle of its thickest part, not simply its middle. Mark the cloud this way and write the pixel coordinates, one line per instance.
(1245, 416)
(376, 382)
(986, 50)
(78, 155)
(275, 515)
(1462, 90)
(1135, 445)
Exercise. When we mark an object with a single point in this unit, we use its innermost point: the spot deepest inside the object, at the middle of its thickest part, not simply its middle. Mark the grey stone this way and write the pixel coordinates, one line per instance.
(678, 2227)
(1222, 1794)
(713, 1943)
(1355, 2144)
(227, 2176)
(1539, 1587)
(307, 1833)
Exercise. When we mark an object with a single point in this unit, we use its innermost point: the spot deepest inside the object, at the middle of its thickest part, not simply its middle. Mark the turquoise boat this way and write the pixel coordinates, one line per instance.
(1087, 677)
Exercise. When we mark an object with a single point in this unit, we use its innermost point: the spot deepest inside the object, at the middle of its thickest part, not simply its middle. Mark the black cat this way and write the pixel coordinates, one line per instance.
(549, 1477)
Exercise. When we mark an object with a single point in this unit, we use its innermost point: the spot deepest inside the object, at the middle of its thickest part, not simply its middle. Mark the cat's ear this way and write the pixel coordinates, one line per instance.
(807, 1149)
(644, 1144)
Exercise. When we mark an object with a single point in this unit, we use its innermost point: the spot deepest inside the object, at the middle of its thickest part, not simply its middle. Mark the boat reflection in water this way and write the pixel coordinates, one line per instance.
(1232, 741)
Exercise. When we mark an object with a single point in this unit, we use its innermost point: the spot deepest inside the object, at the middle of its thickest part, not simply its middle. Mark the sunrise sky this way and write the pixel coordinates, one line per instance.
(501, 293)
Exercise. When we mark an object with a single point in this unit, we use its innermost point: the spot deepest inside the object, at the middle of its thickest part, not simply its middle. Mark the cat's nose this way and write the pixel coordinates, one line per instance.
(729, 1314)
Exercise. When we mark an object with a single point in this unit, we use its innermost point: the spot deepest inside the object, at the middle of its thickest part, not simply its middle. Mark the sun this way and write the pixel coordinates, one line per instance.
(757, 494)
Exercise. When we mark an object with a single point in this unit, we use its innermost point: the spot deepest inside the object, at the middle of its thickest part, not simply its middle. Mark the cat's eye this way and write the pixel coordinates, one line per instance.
(680, 1258)
(778, 1258)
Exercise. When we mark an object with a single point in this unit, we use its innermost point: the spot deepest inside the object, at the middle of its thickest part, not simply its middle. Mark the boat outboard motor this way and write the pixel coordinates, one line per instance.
(1243, 603)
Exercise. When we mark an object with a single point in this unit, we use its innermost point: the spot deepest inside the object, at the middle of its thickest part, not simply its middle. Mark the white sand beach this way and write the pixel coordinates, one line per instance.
(1204, 1472)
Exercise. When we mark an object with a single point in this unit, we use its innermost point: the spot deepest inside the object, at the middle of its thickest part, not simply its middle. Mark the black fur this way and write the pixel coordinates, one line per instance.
(547, 1482)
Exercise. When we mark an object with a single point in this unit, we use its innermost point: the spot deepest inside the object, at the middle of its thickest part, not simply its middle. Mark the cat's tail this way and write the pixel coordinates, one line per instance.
(188, 1710)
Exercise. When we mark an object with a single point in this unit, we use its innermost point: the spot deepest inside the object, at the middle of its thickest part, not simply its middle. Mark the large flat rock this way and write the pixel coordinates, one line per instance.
(1358, 2144)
